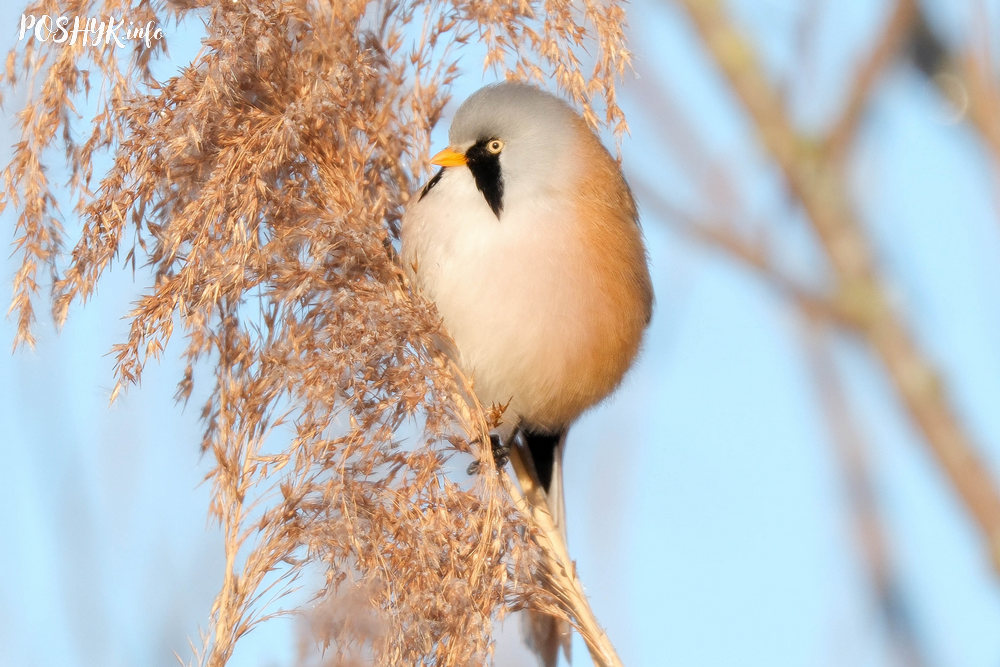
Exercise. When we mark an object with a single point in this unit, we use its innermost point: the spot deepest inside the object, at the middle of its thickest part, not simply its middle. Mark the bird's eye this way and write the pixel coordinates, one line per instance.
(495, 146)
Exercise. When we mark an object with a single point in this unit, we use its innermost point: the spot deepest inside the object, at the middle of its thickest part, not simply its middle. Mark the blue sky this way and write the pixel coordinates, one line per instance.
(706, 512)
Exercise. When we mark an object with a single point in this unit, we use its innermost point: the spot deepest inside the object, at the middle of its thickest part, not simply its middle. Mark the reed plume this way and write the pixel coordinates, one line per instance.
(256, 196)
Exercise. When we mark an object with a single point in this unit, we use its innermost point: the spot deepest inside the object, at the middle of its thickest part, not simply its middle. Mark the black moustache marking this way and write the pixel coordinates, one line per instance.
(431, 183)
(485, 168)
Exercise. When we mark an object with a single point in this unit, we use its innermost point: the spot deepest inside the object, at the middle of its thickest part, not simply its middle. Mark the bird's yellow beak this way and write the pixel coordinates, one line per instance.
(449, 158)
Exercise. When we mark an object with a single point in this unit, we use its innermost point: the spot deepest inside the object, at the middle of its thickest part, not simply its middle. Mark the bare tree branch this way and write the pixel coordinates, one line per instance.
(818, 185)
(755, 256)
(851, 450)
(885, 51)
(983, 98)
(966, 79)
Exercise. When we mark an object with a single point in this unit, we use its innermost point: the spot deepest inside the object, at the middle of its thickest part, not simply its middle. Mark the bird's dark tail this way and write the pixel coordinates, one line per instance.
(546, 634)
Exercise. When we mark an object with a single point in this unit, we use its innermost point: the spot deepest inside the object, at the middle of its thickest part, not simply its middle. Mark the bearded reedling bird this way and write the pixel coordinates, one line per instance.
(528, 242)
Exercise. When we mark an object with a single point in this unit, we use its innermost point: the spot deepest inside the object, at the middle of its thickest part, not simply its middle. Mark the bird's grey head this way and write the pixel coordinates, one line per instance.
(516, 139)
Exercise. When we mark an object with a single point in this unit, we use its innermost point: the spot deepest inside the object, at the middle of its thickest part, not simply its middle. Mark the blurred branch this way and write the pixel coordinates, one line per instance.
(851, 450)
(891, 39)
(965, 80)
(806, 35)
(816, 182)
(983, 100)
(755, 256)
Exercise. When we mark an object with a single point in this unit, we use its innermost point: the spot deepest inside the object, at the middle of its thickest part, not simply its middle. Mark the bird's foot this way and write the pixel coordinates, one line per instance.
(501, 451)
(501, 454)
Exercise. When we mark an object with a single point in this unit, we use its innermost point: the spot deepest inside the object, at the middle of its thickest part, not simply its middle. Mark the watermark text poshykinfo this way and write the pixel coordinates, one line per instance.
(87, 30)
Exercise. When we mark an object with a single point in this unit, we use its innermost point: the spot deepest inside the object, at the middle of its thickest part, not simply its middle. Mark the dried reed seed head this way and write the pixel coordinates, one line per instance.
(256, 194)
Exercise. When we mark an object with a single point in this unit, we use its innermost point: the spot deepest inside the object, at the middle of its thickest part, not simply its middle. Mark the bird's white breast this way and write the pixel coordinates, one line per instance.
(511, 291)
